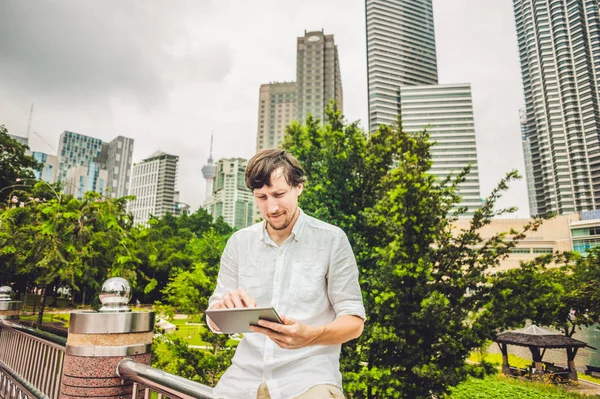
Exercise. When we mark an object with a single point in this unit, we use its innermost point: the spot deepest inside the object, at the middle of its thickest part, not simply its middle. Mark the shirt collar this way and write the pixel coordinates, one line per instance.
(296, 230)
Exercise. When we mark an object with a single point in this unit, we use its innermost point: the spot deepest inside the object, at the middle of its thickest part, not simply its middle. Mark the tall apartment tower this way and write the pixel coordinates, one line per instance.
(400, 52)
(276, 109)
(153, 184)
(232, 200)
(75, 150)
(559, 47)
(119, 161)
(318, 76)
(447, 111)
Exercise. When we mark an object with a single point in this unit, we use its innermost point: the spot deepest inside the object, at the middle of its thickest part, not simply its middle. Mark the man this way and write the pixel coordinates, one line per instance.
(306, 270)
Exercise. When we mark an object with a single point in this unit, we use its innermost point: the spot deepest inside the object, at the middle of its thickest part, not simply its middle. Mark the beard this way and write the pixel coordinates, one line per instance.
(283, 224)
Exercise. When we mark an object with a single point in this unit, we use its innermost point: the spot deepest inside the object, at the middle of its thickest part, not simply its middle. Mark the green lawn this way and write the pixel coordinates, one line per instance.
(50, 318)
(509, 388)
(191, 332)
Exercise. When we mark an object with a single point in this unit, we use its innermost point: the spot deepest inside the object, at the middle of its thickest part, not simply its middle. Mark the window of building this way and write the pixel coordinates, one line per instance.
(542, 250)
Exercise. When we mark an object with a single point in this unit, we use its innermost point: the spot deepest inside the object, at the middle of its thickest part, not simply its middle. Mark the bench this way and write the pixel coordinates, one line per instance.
(594, 371)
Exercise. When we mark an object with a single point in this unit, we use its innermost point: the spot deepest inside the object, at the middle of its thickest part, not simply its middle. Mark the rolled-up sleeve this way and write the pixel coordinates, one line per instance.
(343, 288)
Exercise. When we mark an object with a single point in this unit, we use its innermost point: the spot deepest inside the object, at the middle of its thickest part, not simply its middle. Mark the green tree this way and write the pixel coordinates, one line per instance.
(556, 290)
(188, 291)
(63, 241)
(421, 278)
(14, 164)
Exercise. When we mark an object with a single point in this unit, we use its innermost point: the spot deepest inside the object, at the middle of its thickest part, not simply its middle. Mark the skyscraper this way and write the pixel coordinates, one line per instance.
(559, 47)
(403, 81)
(318, 76)
(115, 157)
(400, 52)
(447, 112)
(74, 150)
(276, 109)
(119, 160)
(232, 200)
(153, 184)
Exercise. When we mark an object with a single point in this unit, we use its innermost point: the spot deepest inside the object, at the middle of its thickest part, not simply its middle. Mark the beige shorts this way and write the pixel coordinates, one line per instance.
(324, 391)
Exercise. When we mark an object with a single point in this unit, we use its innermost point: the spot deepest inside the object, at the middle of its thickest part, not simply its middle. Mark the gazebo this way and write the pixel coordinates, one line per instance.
(538, 340)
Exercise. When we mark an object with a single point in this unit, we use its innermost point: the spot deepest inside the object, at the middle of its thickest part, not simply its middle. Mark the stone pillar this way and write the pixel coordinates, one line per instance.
(9, 309)
(98, 341)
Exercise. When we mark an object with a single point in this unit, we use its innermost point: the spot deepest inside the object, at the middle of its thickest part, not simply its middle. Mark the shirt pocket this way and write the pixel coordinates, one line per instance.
(307, 281)
(253, 280)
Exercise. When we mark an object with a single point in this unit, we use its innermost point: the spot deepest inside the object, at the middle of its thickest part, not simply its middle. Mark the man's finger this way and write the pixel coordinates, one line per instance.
(247, 299)
(228, 302)
(237, 302)
(271, 326)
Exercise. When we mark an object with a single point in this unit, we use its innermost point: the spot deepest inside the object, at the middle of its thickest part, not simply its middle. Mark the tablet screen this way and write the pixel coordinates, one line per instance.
(237, 320)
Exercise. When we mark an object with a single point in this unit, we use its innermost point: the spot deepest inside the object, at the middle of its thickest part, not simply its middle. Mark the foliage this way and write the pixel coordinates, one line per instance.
(421, 278)
(206, 366)
(63, 241)
(14, 164)
(501, 387)
(564, 297)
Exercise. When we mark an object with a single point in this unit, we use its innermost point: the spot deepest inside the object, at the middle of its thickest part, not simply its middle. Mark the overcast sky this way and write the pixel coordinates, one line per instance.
(169, 73)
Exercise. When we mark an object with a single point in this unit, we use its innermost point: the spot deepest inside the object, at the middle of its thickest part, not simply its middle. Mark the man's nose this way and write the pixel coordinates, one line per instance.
(272, 205)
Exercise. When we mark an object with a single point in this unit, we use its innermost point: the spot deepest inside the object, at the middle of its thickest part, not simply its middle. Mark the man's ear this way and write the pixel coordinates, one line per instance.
(300, 187)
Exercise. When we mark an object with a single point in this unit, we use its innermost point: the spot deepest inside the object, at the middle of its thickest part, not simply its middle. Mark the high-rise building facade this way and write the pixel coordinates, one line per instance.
(318, 76)
(74, 150)
(276, 109)
(232, 200)
(400, 52)
(153, 184)
(119, 161)
(559, 47)
(82, 179)
(48, 167)
(447, 113)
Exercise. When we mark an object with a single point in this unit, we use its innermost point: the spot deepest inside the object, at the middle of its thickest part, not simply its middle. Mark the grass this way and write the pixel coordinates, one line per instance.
(191, 332)
(496, 359)
(50, 318)
(582, 376)
(505, 387)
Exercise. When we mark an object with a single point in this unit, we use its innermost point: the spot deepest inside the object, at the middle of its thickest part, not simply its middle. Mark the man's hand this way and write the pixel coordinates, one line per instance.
(234, 299)
(290, 335)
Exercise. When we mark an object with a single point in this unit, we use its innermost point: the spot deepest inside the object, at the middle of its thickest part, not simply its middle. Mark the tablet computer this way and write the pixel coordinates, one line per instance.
(237, 320)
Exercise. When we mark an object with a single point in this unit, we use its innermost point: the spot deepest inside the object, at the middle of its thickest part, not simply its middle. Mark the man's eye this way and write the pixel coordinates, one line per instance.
(278, 195)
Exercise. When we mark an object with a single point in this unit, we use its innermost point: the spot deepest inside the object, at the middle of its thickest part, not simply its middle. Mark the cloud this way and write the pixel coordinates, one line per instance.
(89, 51)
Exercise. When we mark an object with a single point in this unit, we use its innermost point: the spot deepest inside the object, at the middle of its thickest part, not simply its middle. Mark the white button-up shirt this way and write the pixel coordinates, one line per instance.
(313, 278)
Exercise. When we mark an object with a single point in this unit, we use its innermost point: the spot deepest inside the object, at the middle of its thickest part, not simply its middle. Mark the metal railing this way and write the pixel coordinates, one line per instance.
(30, 367)
(149, 380)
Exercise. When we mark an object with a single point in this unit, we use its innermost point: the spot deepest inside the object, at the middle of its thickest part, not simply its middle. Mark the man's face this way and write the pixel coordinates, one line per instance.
(279, 202)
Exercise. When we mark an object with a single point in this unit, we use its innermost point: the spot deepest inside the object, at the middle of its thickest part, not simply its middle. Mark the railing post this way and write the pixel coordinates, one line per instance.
(98, 341)
(9, 309)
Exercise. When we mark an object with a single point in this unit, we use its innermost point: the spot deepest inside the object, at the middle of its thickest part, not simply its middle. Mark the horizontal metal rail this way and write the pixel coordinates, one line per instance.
(13, 387)
(166, 385)
(33, 360)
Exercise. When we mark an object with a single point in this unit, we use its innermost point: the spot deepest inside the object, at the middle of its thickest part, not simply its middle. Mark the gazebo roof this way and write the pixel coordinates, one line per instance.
(539, 337)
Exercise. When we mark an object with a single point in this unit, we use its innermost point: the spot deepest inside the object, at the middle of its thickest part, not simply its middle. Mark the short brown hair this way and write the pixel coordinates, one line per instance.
(265, 162)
